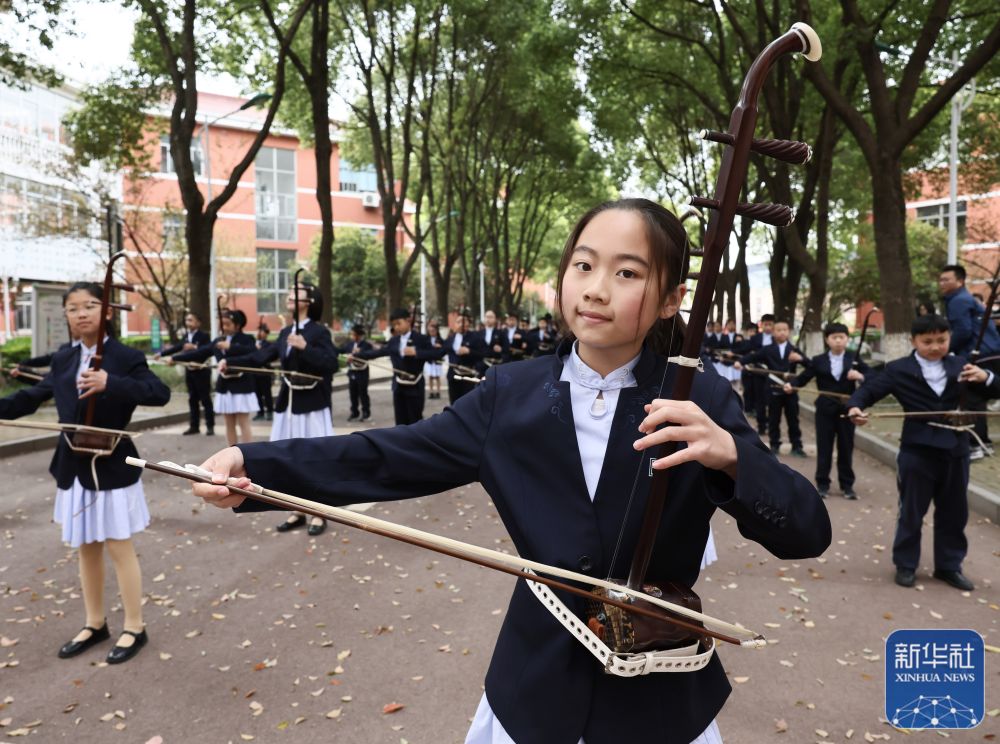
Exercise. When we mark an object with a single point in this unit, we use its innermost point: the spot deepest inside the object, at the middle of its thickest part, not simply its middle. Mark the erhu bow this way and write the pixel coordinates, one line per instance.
(630, 633)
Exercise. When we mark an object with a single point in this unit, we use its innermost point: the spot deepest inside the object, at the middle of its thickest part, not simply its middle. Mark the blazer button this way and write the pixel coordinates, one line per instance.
(758, 507)
(585, 564)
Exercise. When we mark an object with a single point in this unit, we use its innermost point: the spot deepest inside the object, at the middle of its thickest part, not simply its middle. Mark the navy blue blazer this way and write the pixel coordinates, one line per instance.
(819, 367)
(318, 358)
(348, 348)
(200, 339)
(130, 383)
(542, 684)
(772, 358)
(412, 364)
(483, 350)
(240, 345)
(904, 380)
(471, 360)
(535, 341)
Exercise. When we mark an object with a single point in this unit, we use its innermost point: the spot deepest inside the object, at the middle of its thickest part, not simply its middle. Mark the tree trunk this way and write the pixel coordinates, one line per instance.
(199, 241)
(323, 149)
(892, 253)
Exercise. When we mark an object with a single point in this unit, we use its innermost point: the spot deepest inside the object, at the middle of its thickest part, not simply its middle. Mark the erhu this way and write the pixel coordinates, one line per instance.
(627, 632)
(92, 442)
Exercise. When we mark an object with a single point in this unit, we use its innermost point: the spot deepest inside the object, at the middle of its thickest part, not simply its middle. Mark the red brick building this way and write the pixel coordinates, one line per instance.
(266, 230)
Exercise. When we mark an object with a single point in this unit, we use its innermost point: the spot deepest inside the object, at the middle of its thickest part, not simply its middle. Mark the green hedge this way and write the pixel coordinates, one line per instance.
(16, 350)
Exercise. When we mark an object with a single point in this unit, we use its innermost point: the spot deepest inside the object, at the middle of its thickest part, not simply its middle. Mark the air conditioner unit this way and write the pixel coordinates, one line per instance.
(370, 200)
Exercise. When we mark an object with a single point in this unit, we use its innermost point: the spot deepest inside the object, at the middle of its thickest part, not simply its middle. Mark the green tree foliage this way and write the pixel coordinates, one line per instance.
(28, 19)
(357, 277)
(854, 276)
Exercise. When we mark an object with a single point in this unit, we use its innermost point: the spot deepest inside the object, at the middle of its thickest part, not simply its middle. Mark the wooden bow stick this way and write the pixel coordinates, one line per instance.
(189, 365)
(273, 372)
(765, 371)
(828, 393)
(928, 414)
(22, 372)
(401, 372)
(503, 562)
(53, 426)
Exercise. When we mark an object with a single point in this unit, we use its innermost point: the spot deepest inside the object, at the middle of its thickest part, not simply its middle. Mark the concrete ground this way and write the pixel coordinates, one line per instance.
(347, 637)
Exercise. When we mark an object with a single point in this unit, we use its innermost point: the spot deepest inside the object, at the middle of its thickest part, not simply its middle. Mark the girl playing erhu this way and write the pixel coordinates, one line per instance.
(101, 502)
(566, 436)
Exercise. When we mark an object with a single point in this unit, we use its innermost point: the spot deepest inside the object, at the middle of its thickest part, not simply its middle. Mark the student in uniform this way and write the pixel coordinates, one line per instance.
(235, 393)
(779, 356)
(265, 395)
(933, 462)
(99, 501)
(432, 370)
(463, 352)
(760, 385)
(197, 381)
(517, 341)
(491, 344)
(836, 371)
(573, 427)
(542, 339)
(357, 374)
(747, 384)
(408, 351)
(303, 405)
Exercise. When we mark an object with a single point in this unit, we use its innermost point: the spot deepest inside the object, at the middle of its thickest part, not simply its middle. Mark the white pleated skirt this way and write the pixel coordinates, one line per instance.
(710, 555)
(486, 729)
(301, 425)
(236, 403)
(95, 516)
(432, 369)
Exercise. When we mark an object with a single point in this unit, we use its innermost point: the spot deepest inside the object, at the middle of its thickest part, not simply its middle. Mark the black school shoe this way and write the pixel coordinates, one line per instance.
(189, 431)
(121, 654)
(291, 524)
(317, 529)
(956, 579)
(906, 577)
(74, 648)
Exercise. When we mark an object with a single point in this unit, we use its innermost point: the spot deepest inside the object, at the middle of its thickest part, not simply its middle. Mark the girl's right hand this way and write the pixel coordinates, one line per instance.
(857, 416)
(223, 465)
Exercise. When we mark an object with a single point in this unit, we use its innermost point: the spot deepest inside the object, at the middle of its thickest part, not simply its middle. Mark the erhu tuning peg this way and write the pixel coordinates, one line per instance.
(788, 151)
(773, 214)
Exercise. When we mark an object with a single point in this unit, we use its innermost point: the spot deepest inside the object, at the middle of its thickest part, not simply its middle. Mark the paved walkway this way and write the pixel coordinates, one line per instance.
(267, 637)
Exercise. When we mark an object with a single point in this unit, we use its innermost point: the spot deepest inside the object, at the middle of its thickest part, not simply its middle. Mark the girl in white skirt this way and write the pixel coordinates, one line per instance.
(235, 392)
(302, 409)
(432, 370)
(99, 501)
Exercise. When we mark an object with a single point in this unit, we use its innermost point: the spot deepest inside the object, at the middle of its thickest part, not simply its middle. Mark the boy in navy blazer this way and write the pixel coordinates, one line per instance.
(198, 381)
(837, 371)
(408, 351)
(780, 356)
(759, 386)
(933, 462)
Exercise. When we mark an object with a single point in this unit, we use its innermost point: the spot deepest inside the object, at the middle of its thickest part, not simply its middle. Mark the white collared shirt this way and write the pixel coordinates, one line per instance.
(488, 335)
(781, 349)
(456, 343)
(86, 354)
(403, 341)
(593, 429)
(765, 339)
(934, 373)
(836, 364)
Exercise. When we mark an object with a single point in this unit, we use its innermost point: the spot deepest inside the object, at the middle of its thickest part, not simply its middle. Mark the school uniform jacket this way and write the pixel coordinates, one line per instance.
(348, 348)
(318, 358)
(772, 358)
(199, 338)
(904, 380)
(819, 367)
(130, 383)
(240, 345)
(542, 684)
(535, 340)
(484, 350)
(412, 364)
(471, 360)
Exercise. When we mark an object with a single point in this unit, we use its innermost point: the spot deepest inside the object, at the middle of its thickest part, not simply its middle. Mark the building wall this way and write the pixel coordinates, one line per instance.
(979, 247)
(236, 240)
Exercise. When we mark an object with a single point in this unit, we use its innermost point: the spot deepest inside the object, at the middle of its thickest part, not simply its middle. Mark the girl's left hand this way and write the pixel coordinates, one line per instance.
(707, 442)
(296, 341)
(92, 382)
